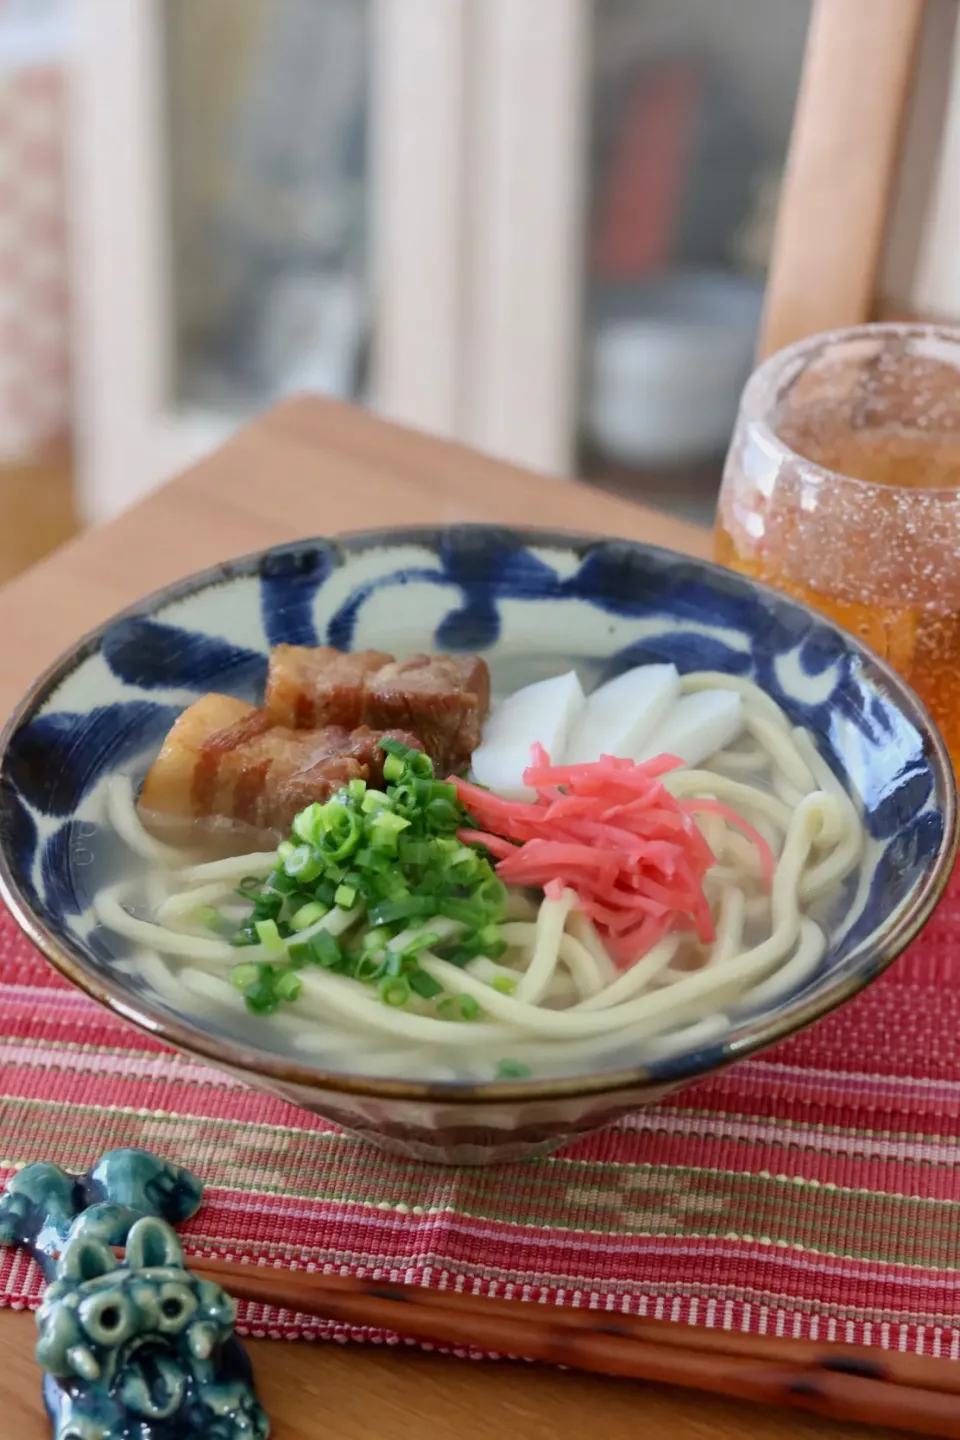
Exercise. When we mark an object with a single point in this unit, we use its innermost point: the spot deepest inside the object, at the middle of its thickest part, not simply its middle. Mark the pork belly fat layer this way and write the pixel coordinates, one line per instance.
(225, 759)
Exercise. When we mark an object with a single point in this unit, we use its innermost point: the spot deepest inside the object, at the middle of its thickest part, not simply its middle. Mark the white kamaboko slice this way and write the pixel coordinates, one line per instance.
(620, 717)
(543, 713)
(698, 726)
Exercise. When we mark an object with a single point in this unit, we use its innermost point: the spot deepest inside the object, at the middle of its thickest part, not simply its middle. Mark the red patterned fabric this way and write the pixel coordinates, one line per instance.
(812, 1192)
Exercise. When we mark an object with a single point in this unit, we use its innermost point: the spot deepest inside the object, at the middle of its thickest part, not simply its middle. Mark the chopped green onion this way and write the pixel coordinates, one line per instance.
(493, 894)
(262, 997)
(369, 966)
(341, 830)
(325, 891)
(424, 940)
(376, 939)
(258, 987)
(503, 984)
(306, 825)
(268, 934)
(392, 855)
(392, 768)
(394, 991)
(413, 852)
(424, 985)
(392, 910)
(458, 1007)
(279, 883)
(512, 1070)
(397, 747)
(303, 865)
(267, 907)
(442, 815)
(243, 976)
(246, 935)
(307, 915)
(288, 985)
(377, 860)
(375, 801)
(325, 950)
(467, 912)
(386, 823)
(209, 916)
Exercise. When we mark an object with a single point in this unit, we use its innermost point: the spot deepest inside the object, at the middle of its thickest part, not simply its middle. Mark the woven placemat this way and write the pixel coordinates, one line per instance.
(814, 1191)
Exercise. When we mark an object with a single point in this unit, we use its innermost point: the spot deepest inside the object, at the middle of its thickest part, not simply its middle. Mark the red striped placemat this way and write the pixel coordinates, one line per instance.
(814, 1191)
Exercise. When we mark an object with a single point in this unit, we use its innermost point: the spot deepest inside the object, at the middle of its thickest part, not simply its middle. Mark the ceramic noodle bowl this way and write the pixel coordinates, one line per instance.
(532, 604)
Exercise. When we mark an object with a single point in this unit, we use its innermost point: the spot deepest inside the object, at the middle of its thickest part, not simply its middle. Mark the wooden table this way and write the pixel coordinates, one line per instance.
(309, 468)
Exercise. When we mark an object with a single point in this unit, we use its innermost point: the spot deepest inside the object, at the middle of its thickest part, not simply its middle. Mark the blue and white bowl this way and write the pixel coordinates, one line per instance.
(533, 603)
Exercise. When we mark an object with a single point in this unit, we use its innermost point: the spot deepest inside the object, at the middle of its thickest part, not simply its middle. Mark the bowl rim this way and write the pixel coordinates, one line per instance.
(69, 959)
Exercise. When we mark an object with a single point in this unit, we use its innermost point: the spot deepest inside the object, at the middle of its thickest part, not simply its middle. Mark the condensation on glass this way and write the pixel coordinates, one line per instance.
(842, 488)
(268, 164)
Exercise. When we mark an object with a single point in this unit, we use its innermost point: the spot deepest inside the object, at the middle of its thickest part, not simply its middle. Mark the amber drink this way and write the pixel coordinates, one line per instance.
(842, 487)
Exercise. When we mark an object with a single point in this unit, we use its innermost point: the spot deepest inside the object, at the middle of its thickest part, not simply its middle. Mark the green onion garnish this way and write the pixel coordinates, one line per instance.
(246, 935)
(307, 915)
(503, 984)
(369, 966)
(268, 934)
(512, 1070)
(280, 883)
(392, 768)
(288, 985)
(424, 985)
(375, 801)
(325, 950)
(209, 916)
(303, 865)
(243, 976)
(458, 1007)
(267, 907)
(392, 858)
(394, 991)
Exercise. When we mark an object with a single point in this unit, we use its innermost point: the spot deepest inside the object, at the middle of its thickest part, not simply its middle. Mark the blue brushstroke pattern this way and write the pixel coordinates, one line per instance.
(683, 648)
(155, 656)
(57, 759)
(290, 580)
(18, 835)
(63, 888)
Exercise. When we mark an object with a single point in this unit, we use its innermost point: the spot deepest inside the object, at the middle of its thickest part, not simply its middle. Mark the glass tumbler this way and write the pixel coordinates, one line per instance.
(842, 488)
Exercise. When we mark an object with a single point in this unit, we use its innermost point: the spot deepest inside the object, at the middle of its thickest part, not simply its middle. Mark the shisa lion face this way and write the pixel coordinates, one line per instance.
(142, 1348)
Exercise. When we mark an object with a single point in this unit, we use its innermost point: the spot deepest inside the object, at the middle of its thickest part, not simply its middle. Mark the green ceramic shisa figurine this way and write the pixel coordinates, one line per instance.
(138, 1348)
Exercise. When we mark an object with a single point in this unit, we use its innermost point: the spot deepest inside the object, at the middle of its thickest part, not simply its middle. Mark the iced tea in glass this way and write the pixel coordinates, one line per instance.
(842, 487)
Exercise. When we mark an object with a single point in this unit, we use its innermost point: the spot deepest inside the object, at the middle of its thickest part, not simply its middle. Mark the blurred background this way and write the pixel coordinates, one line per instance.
(540, 227)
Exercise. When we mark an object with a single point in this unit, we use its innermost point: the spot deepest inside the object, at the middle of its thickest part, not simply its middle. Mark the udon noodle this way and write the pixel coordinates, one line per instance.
(555, 1001)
